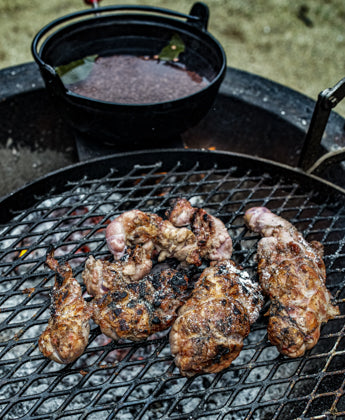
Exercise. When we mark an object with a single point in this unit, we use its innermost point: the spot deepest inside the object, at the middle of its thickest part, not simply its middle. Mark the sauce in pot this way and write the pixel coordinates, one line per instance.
(129, 79)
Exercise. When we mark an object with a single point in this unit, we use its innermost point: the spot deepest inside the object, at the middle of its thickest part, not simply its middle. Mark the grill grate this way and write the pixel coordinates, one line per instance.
(139, 380)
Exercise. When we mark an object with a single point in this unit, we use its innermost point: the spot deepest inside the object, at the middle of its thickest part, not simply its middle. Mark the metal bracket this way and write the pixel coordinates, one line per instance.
(327, 100)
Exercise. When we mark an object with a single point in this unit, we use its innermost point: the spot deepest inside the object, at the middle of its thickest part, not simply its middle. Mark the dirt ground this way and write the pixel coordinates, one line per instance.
(299, 44)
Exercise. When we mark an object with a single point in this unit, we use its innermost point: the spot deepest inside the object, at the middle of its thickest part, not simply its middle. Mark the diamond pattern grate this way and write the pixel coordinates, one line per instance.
(139, 380)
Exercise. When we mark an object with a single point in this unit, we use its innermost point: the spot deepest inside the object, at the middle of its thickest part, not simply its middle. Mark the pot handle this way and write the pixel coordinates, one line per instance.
(198, 16)
(327, 100)
(201, 11)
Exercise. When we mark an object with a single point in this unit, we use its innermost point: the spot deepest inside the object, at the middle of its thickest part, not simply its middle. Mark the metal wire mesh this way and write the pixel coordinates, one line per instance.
(127, 380)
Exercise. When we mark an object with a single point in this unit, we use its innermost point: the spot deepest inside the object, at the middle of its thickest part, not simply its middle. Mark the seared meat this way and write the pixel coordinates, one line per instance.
(130, 228)
(208, 238)
(136, 227)
(214, 241)
(135, 310)
(100, 276)
(67, 333)
(292, 273)
(209, 330)
(181, 213)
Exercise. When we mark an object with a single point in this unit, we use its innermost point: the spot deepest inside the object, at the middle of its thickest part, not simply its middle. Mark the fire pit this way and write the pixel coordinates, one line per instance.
(69, 210)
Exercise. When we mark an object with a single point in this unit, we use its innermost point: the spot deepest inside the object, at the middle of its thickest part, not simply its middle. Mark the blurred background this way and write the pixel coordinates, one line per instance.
(299, 44)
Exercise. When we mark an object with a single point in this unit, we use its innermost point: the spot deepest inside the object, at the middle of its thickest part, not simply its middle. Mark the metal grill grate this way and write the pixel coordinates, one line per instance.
(139, 380)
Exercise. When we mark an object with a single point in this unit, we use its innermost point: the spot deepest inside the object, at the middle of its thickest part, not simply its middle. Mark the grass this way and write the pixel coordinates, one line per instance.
(299, 44)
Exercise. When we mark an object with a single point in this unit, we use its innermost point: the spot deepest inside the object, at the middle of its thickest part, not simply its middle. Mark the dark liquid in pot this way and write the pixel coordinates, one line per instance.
(136, 80)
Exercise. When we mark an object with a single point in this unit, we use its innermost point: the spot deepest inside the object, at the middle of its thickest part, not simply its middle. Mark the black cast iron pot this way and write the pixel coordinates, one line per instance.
(135, 30)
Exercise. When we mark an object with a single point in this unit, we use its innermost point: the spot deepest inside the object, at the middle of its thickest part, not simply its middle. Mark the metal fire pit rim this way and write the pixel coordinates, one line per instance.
(25, 78)
(46, 183)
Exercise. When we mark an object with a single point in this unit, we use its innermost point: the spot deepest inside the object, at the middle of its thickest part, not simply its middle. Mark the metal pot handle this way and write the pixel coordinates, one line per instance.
(201, 11)
(327, 100)
(198, 17)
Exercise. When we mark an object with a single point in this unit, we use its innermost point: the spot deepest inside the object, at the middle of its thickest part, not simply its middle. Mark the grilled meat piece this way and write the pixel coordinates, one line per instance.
(130, 228)
(209, 330)
(136, 227)
(292, 273)
(135, 310)
(100, 276)
(214, 241)
(67, 333)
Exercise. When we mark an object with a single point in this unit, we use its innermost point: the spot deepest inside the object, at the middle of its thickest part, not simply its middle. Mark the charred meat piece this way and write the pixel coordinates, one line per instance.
(136, 227)
(67, 333)
(135, 310)
(209, 330)
(292, 273)
(214, 241)
(100, 276)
